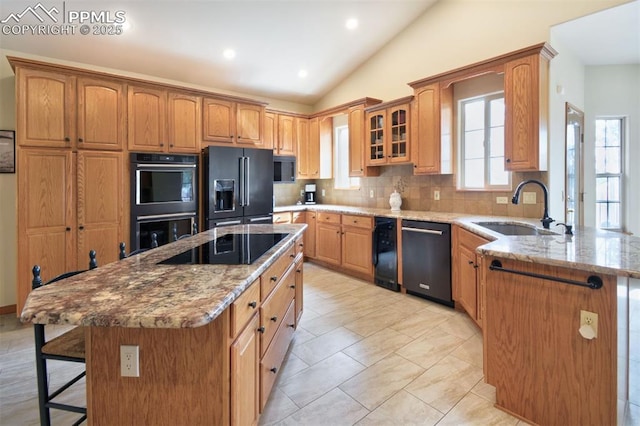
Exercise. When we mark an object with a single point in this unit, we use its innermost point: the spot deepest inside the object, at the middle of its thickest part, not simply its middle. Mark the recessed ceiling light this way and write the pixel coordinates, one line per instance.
(302, 73)
(229, 53)
(351, 24)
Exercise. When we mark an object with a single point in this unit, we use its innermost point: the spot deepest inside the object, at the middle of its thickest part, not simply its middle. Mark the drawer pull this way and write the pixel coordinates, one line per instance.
(301, 245)
(261, 329)
(274, 370)
(274, 319)
(291, 325)
(292, 286)
(292, 256)
(274, 278)
(253, 304)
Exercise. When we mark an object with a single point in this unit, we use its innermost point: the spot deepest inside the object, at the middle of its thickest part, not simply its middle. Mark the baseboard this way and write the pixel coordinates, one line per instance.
(9, 309)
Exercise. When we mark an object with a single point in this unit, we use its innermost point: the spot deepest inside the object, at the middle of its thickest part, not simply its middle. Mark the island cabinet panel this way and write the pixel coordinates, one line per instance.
(542, 368)
(184, 375)
(245, 376)
(245, 307)
(271, 277)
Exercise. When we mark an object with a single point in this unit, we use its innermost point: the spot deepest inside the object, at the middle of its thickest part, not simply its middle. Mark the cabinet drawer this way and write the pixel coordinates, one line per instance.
(273, 309)
(357, 221)
(299, 245)
(284, 217)
(270, 278)
(243, 308)
(328, 218)
(272, 360)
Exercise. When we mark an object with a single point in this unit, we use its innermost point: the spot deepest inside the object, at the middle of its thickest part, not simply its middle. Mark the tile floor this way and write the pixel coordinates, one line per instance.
(362, 355)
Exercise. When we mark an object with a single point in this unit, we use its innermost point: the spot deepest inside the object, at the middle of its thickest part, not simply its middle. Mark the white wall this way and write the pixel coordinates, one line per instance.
(610, 91)
(566, 84)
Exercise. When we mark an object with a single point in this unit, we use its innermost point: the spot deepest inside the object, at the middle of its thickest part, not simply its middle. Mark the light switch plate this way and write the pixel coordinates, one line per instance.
(371, 193)
(528, 198)
(436, 195)
(502, 200)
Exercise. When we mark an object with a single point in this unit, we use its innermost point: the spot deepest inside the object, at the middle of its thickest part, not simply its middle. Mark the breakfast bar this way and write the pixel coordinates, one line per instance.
(211, 317)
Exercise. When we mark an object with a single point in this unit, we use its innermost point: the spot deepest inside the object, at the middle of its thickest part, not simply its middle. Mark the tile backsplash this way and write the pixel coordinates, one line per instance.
(418, 194)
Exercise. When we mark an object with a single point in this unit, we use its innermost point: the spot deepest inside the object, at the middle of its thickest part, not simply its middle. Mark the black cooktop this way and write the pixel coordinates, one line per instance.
(230, 249)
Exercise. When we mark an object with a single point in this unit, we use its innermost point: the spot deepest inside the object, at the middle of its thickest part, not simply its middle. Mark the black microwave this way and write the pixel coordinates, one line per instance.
(284, 169)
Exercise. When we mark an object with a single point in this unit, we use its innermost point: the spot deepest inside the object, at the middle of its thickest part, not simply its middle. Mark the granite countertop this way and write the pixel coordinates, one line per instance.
(589, 249)
(137, 292)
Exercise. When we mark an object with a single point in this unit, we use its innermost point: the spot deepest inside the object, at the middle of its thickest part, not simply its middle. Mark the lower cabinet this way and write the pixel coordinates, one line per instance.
(466, 278)
(245, 376)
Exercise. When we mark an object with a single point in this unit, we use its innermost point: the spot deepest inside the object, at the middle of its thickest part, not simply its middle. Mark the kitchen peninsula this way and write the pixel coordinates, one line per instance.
(211, 337)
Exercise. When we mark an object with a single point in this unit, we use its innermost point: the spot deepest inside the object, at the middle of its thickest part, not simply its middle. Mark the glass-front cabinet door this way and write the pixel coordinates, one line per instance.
(399, 133)
(376, 133)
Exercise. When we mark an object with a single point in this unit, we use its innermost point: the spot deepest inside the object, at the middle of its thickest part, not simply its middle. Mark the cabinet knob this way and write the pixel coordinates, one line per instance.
(253, 304)
(261, 329)
(274, 278)
(292, 286)
(291, 325)
(274, 319)
(67, 140)
(161, 144)
(298, 270)
(80, 140)
(170, 145)
(508, 160)
(471, 262)
(274, 370)
(81, 227)
(68, 229)
(292, 256)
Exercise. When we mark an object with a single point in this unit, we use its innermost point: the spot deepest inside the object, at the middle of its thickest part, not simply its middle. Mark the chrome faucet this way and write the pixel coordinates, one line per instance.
(546, 220)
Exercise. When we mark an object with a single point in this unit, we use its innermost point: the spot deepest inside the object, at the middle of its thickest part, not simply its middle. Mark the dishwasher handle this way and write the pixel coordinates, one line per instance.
(422, 231)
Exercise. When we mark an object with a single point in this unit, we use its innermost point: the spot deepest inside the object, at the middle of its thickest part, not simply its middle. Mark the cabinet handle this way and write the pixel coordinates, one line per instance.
(274, 370)
(274, 278)
(355, 221)
(261, 329)
(67, 140)
(291, 325)
(300, 245)
(253, 304)
(80, 140)
(81, 227)
(292, 256)
(68, 229)
(274, 319)
(471, 262)
(292, 286)
(298, 270)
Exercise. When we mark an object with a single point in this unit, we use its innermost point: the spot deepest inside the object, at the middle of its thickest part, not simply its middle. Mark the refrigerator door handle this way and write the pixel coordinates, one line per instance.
(242, 182)
(247, 181)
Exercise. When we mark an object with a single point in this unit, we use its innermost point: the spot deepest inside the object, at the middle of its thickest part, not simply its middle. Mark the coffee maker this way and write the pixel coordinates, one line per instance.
(310, 193)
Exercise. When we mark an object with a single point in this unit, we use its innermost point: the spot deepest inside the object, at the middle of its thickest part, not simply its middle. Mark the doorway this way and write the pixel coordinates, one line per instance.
(574, 166)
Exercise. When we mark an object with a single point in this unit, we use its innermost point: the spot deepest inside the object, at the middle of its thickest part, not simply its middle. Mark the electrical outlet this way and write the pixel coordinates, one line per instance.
(502, 200)
(436, 195)
(528, 198)
(129, 361)
(302, 192)
(371, 193)
(589, 319)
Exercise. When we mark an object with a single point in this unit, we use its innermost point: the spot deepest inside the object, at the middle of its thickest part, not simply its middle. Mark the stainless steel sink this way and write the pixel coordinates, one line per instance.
(514, 228)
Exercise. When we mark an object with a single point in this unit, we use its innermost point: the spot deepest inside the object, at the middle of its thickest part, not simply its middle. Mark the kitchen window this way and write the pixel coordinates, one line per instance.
(481, 154)
(609, 152)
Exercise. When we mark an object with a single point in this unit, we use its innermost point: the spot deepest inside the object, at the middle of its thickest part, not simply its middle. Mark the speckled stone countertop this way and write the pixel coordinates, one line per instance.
(137, 292)
(588, 249)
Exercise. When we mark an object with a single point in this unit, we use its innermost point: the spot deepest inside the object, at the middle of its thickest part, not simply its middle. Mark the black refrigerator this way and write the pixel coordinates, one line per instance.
(237, 186)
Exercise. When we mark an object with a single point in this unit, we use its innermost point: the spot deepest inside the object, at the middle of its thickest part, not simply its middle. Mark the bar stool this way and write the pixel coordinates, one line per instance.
(69, 346)
(122, 248)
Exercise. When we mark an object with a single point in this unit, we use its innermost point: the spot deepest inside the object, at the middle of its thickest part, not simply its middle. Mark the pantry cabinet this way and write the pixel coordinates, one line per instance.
(58, 110)
(388, 133)
(163, 121)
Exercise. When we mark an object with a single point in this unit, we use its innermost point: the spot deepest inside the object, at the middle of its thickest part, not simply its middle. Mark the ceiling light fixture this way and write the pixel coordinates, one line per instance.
(351, 24)
(229, 53)
(302, 73)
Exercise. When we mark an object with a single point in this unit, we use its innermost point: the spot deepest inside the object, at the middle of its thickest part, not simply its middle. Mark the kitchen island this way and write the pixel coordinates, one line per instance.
(211, 337)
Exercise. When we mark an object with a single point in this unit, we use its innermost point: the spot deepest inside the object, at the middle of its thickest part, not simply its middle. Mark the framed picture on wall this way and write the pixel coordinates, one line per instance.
(7, 151)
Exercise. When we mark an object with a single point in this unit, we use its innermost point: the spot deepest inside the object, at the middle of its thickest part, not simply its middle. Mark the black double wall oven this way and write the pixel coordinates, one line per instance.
(164, 197)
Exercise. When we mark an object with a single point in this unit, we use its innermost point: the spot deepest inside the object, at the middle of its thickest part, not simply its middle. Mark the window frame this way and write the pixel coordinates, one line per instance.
(620, 175)
(486, 98)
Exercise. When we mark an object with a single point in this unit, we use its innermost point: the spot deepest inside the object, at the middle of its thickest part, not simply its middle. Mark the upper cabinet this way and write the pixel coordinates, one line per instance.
(287, 134)
(526, 97)
(162, 120)
(270, 136)
(59, 110)
(387, 133)
(233, 122)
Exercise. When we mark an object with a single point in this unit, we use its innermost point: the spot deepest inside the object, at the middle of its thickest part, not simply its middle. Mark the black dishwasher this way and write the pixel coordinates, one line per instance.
(426, 260)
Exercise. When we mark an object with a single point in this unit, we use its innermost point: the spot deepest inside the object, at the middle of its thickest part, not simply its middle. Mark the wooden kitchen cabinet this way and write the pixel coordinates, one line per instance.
(307, 148)
(388, 133)
(329, 238)
(432, 129)
(310, 235)
(231, 122)
(58, 110)
(79, 209)
(526, 98)
(357, 243)
(467, 289)
(282, 217)
(287, 134)
(298, 301)
(270, 136)
(163, 121)
(245, 375)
